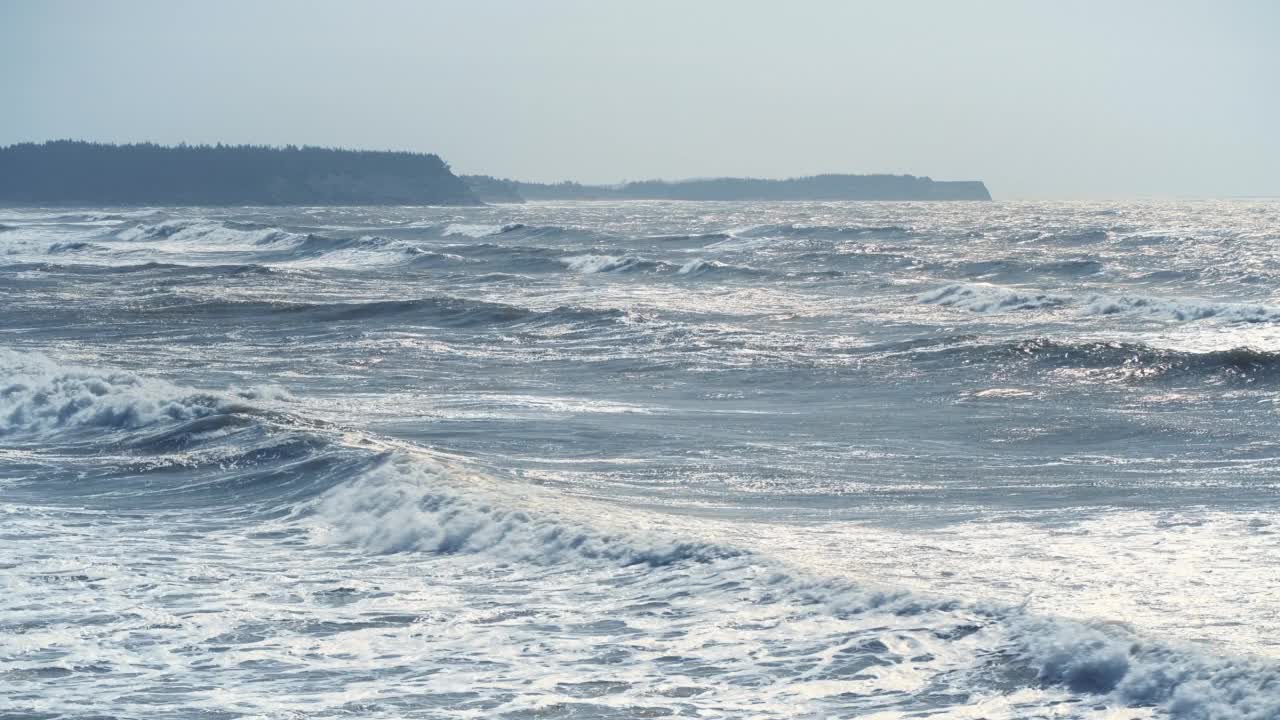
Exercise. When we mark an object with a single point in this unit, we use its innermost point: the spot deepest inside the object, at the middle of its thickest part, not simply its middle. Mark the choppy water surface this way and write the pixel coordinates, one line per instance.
(638, 460)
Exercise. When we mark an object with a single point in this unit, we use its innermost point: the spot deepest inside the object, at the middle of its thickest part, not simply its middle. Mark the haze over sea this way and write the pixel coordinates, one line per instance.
(643, 459)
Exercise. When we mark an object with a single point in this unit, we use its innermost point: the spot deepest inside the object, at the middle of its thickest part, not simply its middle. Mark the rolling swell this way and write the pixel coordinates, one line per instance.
(694, 240)
(207, 232)
(410, 503)
(268, 243)
(1181, 309)
(480, 230)
(700, 267)
(1012, 269)
(527, 259)
(510, 258)
(589, 264)
(989, 299)
(858, 258)
(1118, 361)
(1088, 236)
(158, 268)
(521, 231)
(313, 245)
(144, 443)
(513, 231)
(440, 310)
(792, 230)
(72, 247)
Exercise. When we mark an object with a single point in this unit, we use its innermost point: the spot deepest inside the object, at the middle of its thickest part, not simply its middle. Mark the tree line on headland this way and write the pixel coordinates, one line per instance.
(74, 172)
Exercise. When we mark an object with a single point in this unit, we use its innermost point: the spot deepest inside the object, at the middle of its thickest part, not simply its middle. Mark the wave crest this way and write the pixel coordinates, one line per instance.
(1112, 662)
(1180, 309)
(986, 298)
(207, 232)
(609, 264)
(990, 298)
(40, 396)
(405, 504)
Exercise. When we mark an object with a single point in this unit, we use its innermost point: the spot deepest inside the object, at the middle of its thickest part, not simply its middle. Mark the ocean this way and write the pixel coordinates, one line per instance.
(641, 459)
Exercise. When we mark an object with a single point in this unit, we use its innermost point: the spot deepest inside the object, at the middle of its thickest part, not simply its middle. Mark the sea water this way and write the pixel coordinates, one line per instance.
(648, 459)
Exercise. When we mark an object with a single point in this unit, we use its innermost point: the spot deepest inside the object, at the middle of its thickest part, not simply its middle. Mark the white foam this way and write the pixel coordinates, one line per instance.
(697, 265)
(1180, 309)
(206, 233)
(1116, 664)
(414, 504)
(472, 230)
(39, 395)
(409, 505)
(984, 298)
(600, 263)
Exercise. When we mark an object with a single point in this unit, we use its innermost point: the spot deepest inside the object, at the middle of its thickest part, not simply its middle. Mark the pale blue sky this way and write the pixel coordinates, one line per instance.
(1040, 99)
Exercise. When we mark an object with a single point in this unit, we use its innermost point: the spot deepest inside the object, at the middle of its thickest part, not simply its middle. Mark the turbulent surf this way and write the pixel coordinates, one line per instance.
(641, 459)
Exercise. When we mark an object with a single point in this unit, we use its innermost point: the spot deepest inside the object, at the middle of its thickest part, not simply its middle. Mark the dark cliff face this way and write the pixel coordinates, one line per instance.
(69, 172)
(492, 189)
(817, 187)
(961, 190)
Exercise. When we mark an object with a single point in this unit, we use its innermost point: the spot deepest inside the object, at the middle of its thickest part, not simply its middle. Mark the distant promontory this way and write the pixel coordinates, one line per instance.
(67, 172)
(73, 172)
(814, 187)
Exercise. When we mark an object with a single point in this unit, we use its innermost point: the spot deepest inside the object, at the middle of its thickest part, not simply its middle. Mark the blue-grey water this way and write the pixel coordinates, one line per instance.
(595, 460)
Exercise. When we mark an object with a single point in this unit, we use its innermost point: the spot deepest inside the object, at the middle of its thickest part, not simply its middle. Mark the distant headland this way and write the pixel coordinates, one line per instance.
(72, 172)
(814, 187)
(68, 172)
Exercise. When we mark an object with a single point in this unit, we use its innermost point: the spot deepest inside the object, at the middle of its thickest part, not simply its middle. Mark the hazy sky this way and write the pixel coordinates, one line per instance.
(1040, 99)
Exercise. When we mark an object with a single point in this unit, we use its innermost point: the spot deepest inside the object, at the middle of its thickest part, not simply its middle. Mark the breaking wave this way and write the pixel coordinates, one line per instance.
(408, 504)
(40, 396)
(70, 247)
(479, 231)
(1181, 309)
(991, 298)
(611, 264)
(412, 504)
(207, 232)
(359, 493)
